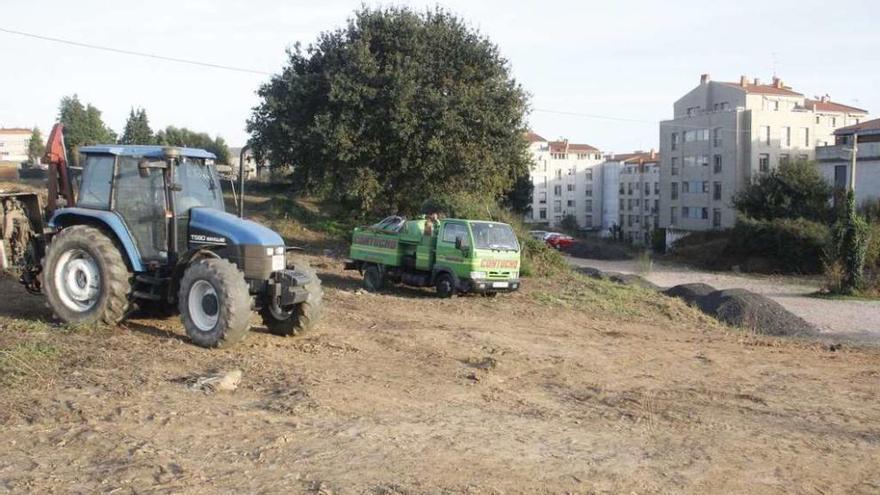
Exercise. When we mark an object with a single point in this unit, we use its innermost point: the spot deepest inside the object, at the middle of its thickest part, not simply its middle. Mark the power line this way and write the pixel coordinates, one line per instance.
(594, 116)
(134, 53)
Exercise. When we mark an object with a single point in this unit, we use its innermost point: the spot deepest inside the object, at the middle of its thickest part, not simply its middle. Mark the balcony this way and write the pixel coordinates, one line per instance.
(841, 152)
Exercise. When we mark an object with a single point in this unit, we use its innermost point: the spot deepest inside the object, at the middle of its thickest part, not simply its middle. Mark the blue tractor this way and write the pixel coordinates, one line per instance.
(148, 227)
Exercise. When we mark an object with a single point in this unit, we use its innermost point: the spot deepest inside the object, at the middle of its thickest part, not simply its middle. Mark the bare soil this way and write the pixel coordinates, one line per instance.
(570, 385)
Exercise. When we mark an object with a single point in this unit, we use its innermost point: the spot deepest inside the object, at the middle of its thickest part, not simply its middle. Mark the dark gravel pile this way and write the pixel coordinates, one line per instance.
(751, 311)
(690, 293)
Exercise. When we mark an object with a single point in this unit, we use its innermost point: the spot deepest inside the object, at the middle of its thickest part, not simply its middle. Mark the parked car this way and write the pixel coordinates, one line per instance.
(558, 241)
(538, 234)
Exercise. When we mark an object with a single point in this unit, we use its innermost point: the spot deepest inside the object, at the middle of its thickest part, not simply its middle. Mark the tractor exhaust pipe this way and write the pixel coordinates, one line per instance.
(244, 150)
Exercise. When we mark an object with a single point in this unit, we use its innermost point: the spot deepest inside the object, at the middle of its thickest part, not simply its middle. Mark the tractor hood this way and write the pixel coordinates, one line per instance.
(212, 227)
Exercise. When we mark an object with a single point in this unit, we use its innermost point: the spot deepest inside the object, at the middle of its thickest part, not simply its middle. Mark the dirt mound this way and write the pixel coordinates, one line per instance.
(690, 293)
(746, 309)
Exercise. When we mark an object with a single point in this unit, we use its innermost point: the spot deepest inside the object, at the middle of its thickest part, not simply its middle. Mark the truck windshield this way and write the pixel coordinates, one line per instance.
(199, 186)
(489, 235)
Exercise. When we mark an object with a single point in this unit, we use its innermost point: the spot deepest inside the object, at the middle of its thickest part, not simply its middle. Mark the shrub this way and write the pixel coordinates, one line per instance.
(794, 190)
(569, 224)
(792, 245)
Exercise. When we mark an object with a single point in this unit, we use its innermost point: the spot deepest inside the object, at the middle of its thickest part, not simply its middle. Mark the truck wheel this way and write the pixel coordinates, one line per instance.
(374, 279)
(301, 317)
(214, 302)
(85, 278)
(445, 285)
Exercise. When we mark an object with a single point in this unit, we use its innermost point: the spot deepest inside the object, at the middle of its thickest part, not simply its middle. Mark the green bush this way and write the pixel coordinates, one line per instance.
(872, 254)
(790, 245)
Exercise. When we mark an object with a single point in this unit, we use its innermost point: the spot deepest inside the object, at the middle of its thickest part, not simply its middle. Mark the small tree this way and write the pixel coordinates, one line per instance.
(36, 146)
(137, 128)
(181, 136)
(794, 190)
(850, 245)
(569, 223)
(82, 125)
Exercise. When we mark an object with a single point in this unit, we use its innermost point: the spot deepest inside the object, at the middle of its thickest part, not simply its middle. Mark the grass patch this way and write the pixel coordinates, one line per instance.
(582, 293)
(27, 359)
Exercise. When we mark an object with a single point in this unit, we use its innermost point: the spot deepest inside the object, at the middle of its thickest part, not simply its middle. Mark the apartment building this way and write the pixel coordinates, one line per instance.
(14, 144)
(567, 181)
(725, 134)
(638, 195)
(835, 161)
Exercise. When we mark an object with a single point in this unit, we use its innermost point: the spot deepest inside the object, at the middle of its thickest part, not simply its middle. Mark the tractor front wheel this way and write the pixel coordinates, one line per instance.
(299, 318)
(445, 285)
(85, 278)
(374, 279)
(215, 303)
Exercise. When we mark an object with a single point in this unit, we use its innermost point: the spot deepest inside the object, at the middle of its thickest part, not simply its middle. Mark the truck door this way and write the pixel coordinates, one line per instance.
(448, 255)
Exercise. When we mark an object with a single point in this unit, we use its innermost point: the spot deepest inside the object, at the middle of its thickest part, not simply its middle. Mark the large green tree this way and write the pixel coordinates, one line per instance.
(794, 190)
(137, 128)
(82, 125)
(36, 146)
(181, 136)
(393, 108)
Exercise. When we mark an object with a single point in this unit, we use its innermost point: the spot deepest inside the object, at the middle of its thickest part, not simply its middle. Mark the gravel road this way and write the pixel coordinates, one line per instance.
(846, 319)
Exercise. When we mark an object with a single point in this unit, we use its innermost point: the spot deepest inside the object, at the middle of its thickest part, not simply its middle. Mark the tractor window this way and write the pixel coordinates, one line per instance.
(199, 186)
(141, 203)
(94, 188)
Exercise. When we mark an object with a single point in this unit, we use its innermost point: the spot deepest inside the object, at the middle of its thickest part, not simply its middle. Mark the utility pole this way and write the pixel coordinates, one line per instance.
(855, 154)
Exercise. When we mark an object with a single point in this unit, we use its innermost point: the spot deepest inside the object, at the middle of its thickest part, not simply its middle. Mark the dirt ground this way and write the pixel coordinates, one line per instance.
(567, 386)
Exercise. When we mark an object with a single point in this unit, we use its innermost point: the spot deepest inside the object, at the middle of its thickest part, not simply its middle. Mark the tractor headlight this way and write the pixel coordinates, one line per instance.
(279, 250)
(478, 275)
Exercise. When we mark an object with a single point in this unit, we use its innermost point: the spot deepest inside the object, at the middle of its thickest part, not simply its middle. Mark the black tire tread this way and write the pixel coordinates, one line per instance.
(233, 295)
(117, 277)
(307, 313)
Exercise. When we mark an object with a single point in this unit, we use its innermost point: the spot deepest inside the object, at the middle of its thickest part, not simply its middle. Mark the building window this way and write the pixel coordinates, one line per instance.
(557, 190)
(704, 213)
(818, 119)
(705, 187)
(788, 137)
(765, 134)
(656, 188)
(674, 140)
(629, 187)
(674, 168)
(557, 206)
(716, 137)
(542, 214)
(570, 203)
(589, 221)
(621, 204)
(716, 164)
(716, 191)
(570, 187)
(703, 160)
(588, 192)
(673, 190)
(647, 188)
(685, 212)
(784, 158)
(833, 121)
(716, 218)
(685, 187)
(763, 162)
(656, 207)
(803, 158)
(542, 198)
(588, 205)
(559, 173)
(589, 174)
(629, 204)
(673, 215)
(807, 137)
(620, 189)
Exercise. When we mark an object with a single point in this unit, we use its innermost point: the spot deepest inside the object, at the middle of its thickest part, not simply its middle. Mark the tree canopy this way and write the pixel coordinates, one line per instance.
(36, 146)
(137, 128)
(396, 107)
(181, 136)
(82, 125)
(794, 190)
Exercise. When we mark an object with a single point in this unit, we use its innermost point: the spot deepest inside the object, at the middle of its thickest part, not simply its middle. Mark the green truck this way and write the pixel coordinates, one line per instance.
(454, 256)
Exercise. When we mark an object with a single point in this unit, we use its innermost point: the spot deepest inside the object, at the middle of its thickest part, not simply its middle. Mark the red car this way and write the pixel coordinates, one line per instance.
(558, 241)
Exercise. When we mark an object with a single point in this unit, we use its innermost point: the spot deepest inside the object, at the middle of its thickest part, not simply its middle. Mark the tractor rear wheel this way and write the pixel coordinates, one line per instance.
(85, 277)
(299, 318)
(374, 279)
(215, 303)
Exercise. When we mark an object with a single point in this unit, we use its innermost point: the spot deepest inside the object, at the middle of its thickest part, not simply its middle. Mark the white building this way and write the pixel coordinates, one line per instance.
(638, 194)
(567, 181)
(14, 144)
(725, 134)
(835, 162)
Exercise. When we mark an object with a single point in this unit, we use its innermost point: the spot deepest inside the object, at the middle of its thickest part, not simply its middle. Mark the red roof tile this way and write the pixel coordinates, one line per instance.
(765, 89)
(872, 126)
(637, 157)
(830, 106)
(566, 147)
(534, 138)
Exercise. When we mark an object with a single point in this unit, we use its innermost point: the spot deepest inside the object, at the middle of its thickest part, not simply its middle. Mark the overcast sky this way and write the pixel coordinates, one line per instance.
(625, 59)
